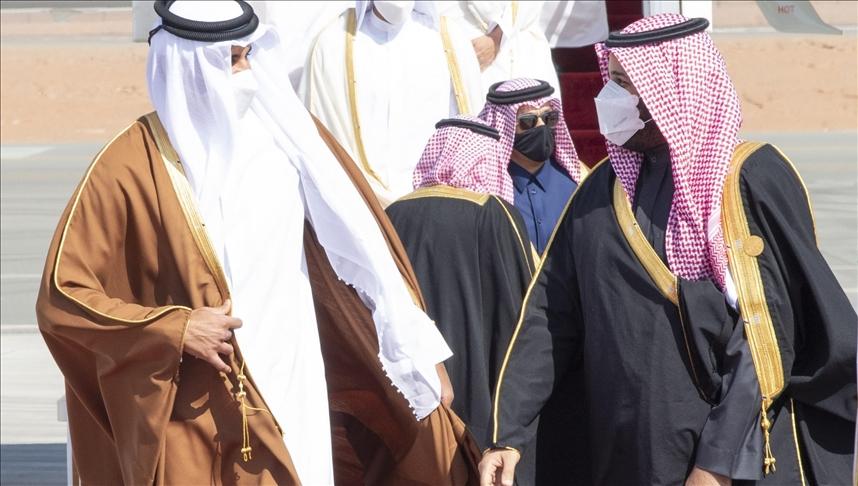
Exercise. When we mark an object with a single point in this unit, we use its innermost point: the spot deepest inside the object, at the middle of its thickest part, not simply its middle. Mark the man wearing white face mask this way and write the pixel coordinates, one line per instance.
(381, 76)
(229, 202)
(685, 279)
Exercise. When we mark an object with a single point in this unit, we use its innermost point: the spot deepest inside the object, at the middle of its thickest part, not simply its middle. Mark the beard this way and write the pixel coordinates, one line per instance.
(648, 137)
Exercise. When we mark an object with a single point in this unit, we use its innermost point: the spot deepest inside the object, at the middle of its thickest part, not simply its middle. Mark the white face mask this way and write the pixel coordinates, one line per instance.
(395, 13)
(618, 113)
(244, 88)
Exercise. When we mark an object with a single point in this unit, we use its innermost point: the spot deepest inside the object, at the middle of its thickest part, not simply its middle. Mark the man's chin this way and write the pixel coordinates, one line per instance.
(633, 145)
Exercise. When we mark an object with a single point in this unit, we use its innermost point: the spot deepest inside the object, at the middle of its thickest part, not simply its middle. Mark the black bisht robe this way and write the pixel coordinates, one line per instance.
(473, 261)
(652, 380)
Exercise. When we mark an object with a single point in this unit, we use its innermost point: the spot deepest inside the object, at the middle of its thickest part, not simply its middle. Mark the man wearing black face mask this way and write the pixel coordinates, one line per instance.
(543, 163)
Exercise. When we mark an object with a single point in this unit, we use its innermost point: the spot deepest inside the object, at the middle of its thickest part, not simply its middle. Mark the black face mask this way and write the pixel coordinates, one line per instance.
(537, 144)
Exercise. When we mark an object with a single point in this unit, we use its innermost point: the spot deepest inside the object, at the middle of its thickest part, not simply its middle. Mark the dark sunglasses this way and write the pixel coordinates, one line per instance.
(528, 121)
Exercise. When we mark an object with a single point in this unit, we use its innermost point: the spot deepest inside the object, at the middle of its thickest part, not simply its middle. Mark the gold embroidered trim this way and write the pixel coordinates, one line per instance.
(540, 264)
(655, 267)
(536, 256)
(753, 308)
(447, 192)
(351, 31)
(662, 277)
(795, 442)
(518, 235)
(455, 73)
(61, 246)
(187, 202)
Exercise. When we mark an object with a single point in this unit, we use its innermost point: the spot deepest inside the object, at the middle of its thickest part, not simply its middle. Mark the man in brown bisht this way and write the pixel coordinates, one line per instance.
(224, 204)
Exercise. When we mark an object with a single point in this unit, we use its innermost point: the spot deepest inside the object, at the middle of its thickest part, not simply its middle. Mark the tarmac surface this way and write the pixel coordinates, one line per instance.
(36, 181)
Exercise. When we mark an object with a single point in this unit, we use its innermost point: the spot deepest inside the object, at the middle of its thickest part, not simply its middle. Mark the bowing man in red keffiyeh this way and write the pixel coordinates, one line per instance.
(715, 342)
(470, 251)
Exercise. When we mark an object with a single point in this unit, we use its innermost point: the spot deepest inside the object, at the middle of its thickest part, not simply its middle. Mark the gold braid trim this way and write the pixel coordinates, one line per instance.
(655, 267)
(662, 277)
(795, 442)
(61, 247)
(743, 248)
(521, 244)
(446, 191)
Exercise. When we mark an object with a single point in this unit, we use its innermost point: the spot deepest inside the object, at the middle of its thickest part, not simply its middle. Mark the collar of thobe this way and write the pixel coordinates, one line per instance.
(427, 9)
(379, 29)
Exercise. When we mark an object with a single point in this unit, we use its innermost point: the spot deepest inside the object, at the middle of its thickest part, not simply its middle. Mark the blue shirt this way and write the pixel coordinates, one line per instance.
(540, 198)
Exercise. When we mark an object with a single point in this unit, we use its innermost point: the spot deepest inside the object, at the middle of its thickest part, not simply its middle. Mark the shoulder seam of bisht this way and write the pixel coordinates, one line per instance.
(55, 281)
(445, 191)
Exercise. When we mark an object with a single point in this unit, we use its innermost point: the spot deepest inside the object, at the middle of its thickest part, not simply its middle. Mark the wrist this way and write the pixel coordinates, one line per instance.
(502, 449)
(496, 35)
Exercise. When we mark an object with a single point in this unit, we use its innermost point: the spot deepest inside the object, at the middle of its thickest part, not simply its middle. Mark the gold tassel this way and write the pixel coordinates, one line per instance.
(769, 459)
(241, 396)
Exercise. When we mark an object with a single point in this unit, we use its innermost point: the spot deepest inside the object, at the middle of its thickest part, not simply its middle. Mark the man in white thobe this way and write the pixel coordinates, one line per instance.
(298, 23)
(507, 37)
(381, 76)
(258, 170)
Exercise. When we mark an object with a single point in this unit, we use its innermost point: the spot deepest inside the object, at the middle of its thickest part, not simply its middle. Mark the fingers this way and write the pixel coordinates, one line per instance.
(508, 471)
(487, 468)
(215, 360)
(487, 476)
(225, 348)
(233, 323)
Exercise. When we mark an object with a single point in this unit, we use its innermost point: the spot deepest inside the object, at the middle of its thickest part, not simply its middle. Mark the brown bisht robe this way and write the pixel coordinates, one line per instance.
(128, 262)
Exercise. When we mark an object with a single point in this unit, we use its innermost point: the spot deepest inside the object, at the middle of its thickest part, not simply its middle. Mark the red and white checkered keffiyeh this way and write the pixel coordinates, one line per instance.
(685, 85)
(504, 119)
(458, 157)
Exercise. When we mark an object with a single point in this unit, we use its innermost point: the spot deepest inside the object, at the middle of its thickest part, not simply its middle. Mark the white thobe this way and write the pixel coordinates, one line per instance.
(524, 51)
(271, 294)
(403, 88)
(298, 22)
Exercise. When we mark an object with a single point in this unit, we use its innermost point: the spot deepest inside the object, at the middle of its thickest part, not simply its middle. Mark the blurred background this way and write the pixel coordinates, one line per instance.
(71, 77)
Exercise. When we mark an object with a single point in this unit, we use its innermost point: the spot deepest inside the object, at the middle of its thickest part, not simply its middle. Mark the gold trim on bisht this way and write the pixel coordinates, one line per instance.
(795, 442)
(56, 269)
(743, 248)
(450, 192)
(655, 267)
(521, 241)
(187, 201)
(442, 190)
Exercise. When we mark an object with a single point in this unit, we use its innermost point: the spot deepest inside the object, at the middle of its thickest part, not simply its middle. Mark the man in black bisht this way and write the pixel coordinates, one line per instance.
(471, 254)
(716, 344)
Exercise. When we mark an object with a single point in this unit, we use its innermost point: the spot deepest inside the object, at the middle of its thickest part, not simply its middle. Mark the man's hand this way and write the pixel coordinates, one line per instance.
(498, 467)
(487, 46)
(446, 386)
(702, 477)
(209, 330)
